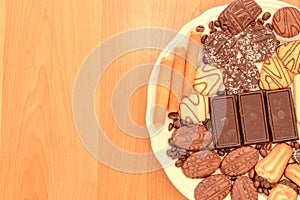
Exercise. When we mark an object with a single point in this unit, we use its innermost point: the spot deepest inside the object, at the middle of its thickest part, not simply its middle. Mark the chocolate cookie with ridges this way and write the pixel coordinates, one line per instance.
(289, 54)
(286, 22)
(274, 75)
(243, 189)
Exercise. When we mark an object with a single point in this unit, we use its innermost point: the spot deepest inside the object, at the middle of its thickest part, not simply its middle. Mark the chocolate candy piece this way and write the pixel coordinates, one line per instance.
(289, 54)
(213, 187)
(253, 118)
(286, 22)
(257, 43)
(192, 138)
(218, 48)
(239, 14)
(274, 75)
(272, 166)
(281, 114)
(243, 189)
(297, 156)
(282, 192)
(239, 161)
(201, 164)
(224, 122)
(240, 75)
(208, 80)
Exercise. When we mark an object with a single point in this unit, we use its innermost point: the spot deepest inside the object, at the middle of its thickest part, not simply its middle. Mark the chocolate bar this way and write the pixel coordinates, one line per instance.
(281, 115)
(225, 124)
(253, 118)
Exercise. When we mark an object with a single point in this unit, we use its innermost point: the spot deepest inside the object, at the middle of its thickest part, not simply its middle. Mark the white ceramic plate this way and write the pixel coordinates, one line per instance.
(159, 138)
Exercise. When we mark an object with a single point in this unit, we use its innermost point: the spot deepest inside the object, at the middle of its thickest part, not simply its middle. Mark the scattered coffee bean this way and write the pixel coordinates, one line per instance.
(260, 21)
(278, 42)
(178, 163)
(173, 149)
(211, 25)
(256, 184)
(253, 23)
(170, 127)
(296, 146)
(233, 178)
(173, 115)
(171, 142)
(200, 28)
(269, 26)
(268, 146)
(224, 27)
(206, 124)
(226, 150)
(204, 37)
(217, 23)
(182, 152)
(258, 146)
(266, 16)
(182, 122)
(292, 144)
(182, 158)
(259, 178)
(251, 173)
(212, 31)
(266, 192)
(267, 185)
(169, 153)
(176, 124)
(187, 154)
(221, 153)
(263, 152)
(260, 190)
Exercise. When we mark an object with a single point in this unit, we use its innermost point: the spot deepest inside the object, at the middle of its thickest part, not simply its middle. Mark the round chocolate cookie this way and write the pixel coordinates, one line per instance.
(218, 48)
(257, 43)
(286, 22)
(240, 75)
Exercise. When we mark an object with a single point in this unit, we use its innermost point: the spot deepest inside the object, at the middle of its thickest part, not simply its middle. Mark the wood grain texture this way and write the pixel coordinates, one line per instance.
(42, 45)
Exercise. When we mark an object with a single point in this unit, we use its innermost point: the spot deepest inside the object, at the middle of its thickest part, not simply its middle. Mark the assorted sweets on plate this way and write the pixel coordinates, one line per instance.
(235, 114)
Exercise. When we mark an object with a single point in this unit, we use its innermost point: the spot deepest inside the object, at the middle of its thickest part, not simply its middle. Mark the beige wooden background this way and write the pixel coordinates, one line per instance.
(42, 44)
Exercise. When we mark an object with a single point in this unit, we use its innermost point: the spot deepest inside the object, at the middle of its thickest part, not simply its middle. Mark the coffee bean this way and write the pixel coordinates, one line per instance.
(204, 37)
(266, 192)
(182, 152)
(211, 25)
(297, 145)
(260, 190)
(217, 23)
(187, 154)
(267, 185)
(258, 146)
(173, 149)
(263, 152)
(169, 153)
(256, 184)
(212, 31)
(233, 178)
(260, 21)
(226, 150)
(176, 124)
(292, 144)
(178, 163)
(258, 178)
(221, 153)
(224, 27)
(278, 42)
(170, 127)
(182, 158)
(253, 23)
(268, 146)
(200, 28)
(173, 115)
(269, 26)
(266, 16)
(251, 173)
(182, 122)
(171, 142)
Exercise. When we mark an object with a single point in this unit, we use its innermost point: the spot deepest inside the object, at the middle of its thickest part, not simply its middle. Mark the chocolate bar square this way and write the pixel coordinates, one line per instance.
(224, 122)
(239, 14)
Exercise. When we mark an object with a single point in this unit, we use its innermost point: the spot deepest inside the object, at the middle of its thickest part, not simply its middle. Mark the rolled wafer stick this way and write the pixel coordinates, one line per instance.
(191, 62)
(177, 79)
(163, 90)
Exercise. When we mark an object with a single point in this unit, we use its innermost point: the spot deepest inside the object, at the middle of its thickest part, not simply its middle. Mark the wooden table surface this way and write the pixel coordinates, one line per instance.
(43, 44)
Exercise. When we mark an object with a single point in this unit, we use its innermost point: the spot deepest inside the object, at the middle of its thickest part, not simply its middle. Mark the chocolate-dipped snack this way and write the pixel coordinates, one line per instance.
(192, 138)
(243, 189)
(273, 165)
(289, 54)
(218, 48)
(201, 164)
(253, 118)
(286, 22)
(240, 75)
(281, 115)
(224, 122)
(239, 161)
(213, 187)
(274, 75)
(239, 14)
(257, 43)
